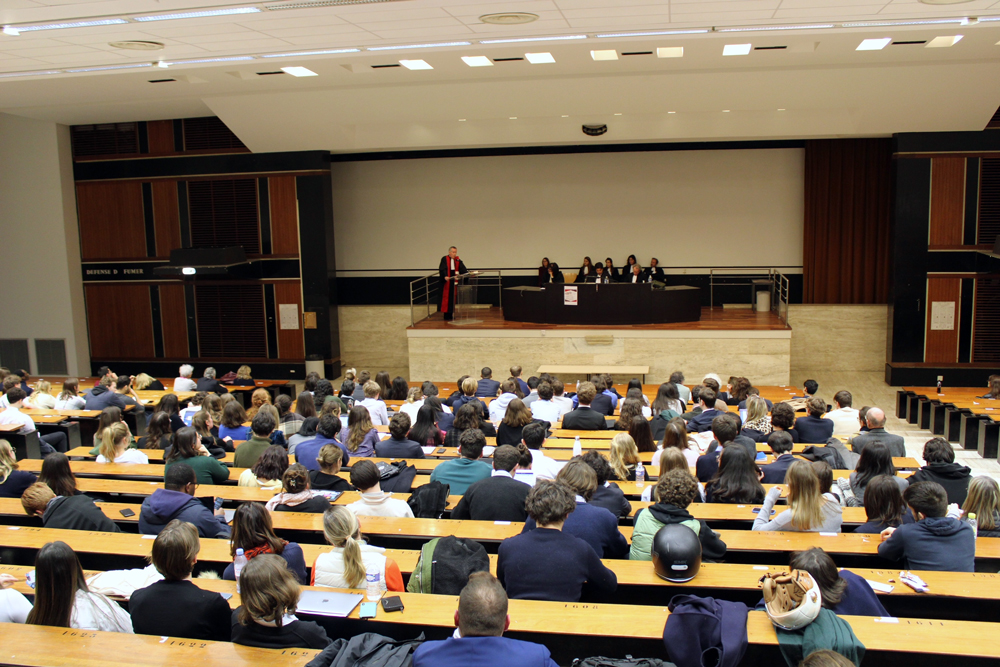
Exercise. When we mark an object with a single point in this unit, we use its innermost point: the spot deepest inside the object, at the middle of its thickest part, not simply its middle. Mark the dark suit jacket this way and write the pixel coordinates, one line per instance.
(602, 403)
(487, 387)
(774, 473)
(524, 386)
(399, 449)
(584, 419)
(893, 442)
(581, 278)
(657, 274)
(211, 385)
(702, 422)
(604, 279)
(814, 429)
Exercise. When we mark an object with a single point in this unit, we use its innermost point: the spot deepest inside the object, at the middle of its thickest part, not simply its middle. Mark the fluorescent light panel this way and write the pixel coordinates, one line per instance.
(11, 31)
(604, 54)
(764, 28)
(298, 71)
(539, 58)
(199, 14)
(670, 52)
(882, 24)
(108, 67)
(10, 75)
(417, 46)
(874, 44)
(415, 64)
(736, 49)
(477, 61)
(655, 33)
(943, 42)
(308, 53)
(226, 59)
(530, 39)
(68, 24)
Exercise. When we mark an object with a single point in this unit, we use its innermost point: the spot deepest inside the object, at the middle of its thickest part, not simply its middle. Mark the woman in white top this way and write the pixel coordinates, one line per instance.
(41, 398)
(676, 436)
(69, 398)
(351, 558)
(414, 401)
(114, 446)
(184, 381)
(62, 598)
(374, 502)
(14, 607)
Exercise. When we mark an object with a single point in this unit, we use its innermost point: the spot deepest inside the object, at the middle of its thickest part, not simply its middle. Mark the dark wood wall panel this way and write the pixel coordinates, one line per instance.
(173, 319)
(120, 321)
(846, 253)
(166, 217)
(947, 217)
(291, 344)
(284, 215)
(161, 136)
(111, 220)
(942, 346)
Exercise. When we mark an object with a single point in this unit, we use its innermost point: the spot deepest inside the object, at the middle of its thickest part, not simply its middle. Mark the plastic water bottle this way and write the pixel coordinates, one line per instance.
(577, 447)
(640, 474)
(373, 580)
(971, 518)
(238, 564)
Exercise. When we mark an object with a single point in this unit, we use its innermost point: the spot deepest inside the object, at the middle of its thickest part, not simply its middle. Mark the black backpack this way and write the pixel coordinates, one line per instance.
(446, 564)
(429, 501)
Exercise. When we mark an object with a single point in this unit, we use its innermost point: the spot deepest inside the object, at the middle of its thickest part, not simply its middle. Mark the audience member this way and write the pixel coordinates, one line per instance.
(498, 497)
(874, 461)
(545, 409)
(737, 480)
(296, 496)
(842, 592)
(103, 396)
(290, 421)
(624, 458)
(425, 432)
(329, 426)
(758, 424)
(175, 607)
(606, 495)
(935, 541)
(254, 533)
(463, 472)
(569, 561)
(360, 435)
(307, 432)
(158, 432)
(939, 457)
(671, 459)
(57, 475)
(346, 564)
(468, 388)
(531, 395)
(884, 505)
(983, 501)
(677, 379)
(675, 436)
(378, 414)
(783, 419)
(468, 417)
(487, 387)
(176, 501)
(187, 449)
(183, 381)
(69, 398)
(76, 512)
(516, 417)
(13, 482)
(533, 437)
(876, 431)
(515, 374)
(703, 421)
(208, 383)
(813, 428)
(326, 478)
(808, 509)
(267, 472)
(674, 492)
(781, 446)
(397, 445)
(844, 417)
(14, 607)
(564, 402)
(48, 443)
(585, 417)
(366, 478)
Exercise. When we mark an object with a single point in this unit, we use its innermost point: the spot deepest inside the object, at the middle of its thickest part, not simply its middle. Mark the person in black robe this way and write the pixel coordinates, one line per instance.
(450, 268)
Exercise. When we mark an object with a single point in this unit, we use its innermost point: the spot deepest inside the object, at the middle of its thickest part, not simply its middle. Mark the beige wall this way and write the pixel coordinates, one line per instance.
(42, 295)
(838, 338)
(374, 338)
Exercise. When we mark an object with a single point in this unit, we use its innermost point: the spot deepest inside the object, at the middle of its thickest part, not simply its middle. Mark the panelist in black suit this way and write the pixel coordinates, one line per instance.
(636, 275)
(600, 276)
(585, 272)
(654, 272)
(585, 418)
(610, 270)
(555, 275)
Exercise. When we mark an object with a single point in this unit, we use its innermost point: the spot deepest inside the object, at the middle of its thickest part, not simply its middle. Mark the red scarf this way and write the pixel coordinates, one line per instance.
(262, 549)
(448, 283)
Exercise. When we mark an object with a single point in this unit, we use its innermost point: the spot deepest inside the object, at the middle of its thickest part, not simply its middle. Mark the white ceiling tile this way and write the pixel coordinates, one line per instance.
(841, 5)
(534, 7)
(317, 31)
(430, 33)
(247, 46)
(599, 12)
(380, 26)
(550, 26)
(194, 30)
(617, 23)
(729, 18)
(360, 38)
(389, 12)
(826, 13)
(725, 8)
(291, 19)
(918, 10)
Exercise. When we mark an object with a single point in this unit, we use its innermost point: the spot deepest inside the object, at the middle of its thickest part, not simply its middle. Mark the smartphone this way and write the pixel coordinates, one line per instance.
(441, 450)
(127, 512)
(218, 503)
(368, 610)
(756, 510)
(392, 604)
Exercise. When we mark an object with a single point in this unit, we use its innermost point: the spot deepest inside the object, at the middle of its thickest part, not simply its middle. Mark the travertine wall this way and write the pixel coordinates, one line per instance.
(838, 338)
(374, 338)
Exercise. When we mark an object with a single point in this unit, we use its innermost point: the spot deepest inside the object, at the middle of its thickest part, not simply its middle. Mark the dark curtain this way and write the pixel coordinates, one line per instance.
(846, 247)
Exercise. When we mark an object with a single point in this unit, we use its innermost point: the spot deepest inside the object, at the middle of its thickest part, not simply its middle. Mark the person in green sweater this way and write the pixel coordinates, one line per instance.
(462, 473)
(673, 493)
(187, 448)
(261, 427)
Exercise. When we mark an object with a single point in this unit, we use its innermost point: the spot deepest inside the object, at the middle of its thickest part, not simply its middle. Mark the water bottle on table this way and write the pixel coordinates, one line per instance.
(577, 447)
(373, 581)
(640, 475)
(238, 564)
(971, 518)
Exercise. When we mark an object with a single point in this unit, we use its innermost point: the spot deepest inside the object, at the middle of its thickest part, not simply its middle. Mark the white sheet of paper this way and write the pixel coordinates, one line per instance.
(288, 316)
(879, 586)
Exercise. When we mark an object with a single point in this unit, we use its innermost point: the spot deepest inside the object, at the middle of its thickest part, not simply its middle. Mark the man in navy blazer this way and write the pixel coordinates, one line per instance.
(487, 386)
(481, 620)
(703, 421)
(813, 428)
(780, 443)
(585, 418)
(515, 373)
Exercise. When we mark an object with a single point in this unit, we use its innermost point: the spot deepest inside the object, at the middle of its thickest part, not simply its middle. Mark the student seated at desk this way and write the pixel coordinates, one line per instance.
(737, 480)
(254, 533)
(547, 563)
(41, 398)
(940, 467)
(983, 501)
(606, 495)
(14, 607)
(758, 425)
(478, 641)
(187, 449)
(365, 478)
(145, 382)
(326, 478)
(425, 431)
(183, 381)
(674, 492)
(48, 443)
(267, 472)
(57, 475)
(103, 395)
(204, 425)
(243, 378)
(468, 418)
(208, 383)
(233, 418)
(463, 472)
(326, 434)
(296, 496)
(62, 598)
(516, 416)
(808, 509)
(875, 460)
(193, 406)
(114, 446)
(269, 594)
(176, 501)
(175, 607)
(13, 482)
(69, 398)
(169, 404)
(68, 512)
(158, 432)
(884, 506)
(843, 592)
(262, 426)
(672, 459)
(360, 435)
(783, 420)
(781, 446)
(377, 411)
(398, 446)
(624, 458)
(497, 498)
(935, 541)
(346, 564)
(812, 427)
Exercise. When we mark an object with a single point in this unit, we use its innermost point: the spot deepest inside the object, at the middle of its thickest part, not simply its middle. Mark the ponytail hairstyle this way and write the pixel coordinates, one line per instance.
(110, 439)
(359, 423)
(342, 529)
(295, 479)
(109, 415)
(524, 456)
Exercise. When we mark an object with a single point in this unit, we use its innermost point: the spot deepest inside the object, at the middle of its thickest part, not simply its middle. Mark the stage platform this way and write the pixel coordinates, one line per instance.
(731, 341)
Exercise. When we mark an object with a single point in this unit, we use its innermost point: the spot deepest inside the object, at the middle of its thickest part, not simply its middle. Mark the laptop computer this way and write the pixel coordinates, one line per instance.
(323, 603)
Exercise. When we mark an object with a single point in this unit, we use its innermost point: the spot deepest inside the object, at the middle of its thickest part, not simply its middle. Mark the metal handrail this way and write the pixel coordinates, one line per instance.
(779, 296)
(742, 272)
(424, 293)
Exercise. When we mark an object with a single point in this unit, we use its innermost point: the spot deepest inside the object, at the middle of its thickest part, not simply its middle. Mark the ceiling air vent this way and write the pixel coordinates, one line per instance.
(637, 53)
(506, 60)
(269, 73)
(769, 48)
(384, 66)
(913, 41)
(161, 80)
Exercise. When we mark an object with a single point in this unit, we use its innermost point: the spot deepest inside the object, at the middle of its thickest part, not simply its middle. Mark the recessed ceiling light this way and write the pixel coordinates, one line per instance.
(477, 61)
(137, 45)
(163, 63)
(531, 39)
(415, 64)
(604, 54)
(8, 75)
(780, 109)
(876, 24)
(509, 18)
(670, 52)
(11, 31)
(461, 120)
(298, 71)
(69, 24)
(199, 14)
(618, 114)
(565, 115)
(671, 112)
(539, 58)
(308, 53)
(725, 111)
(417, 46)
(943, 42)
(874, 44)
(736, 49)
(512, 118)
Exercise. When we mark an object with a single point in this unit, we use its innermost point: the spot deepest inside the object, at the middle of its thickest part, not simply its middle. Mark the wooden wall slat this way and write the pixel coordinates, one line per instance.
(847, 226)
(947, 216)
(166, 217)
(942, 346)
(173, 319)
(120, 321)
(291, 344)
(111, 220)
(284, 215)
(160, 134)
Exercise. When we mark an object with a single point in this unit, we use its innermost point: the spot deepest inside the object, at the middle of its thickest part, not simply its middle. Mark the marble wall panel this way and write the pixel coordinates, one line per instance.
(838, 338)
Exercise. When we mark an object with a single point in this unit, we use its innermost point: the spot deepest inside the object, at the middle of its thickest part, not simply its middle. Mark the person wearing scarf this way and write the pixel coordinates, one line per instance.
(450, 268)
(296, 495)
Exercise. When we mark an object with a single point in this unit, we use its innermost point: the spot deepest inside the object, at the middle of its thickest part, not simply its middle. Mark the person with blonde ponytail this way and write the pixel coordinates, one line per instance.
(810, 510)
(345, 566)
(41, 397)
(114, 446)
